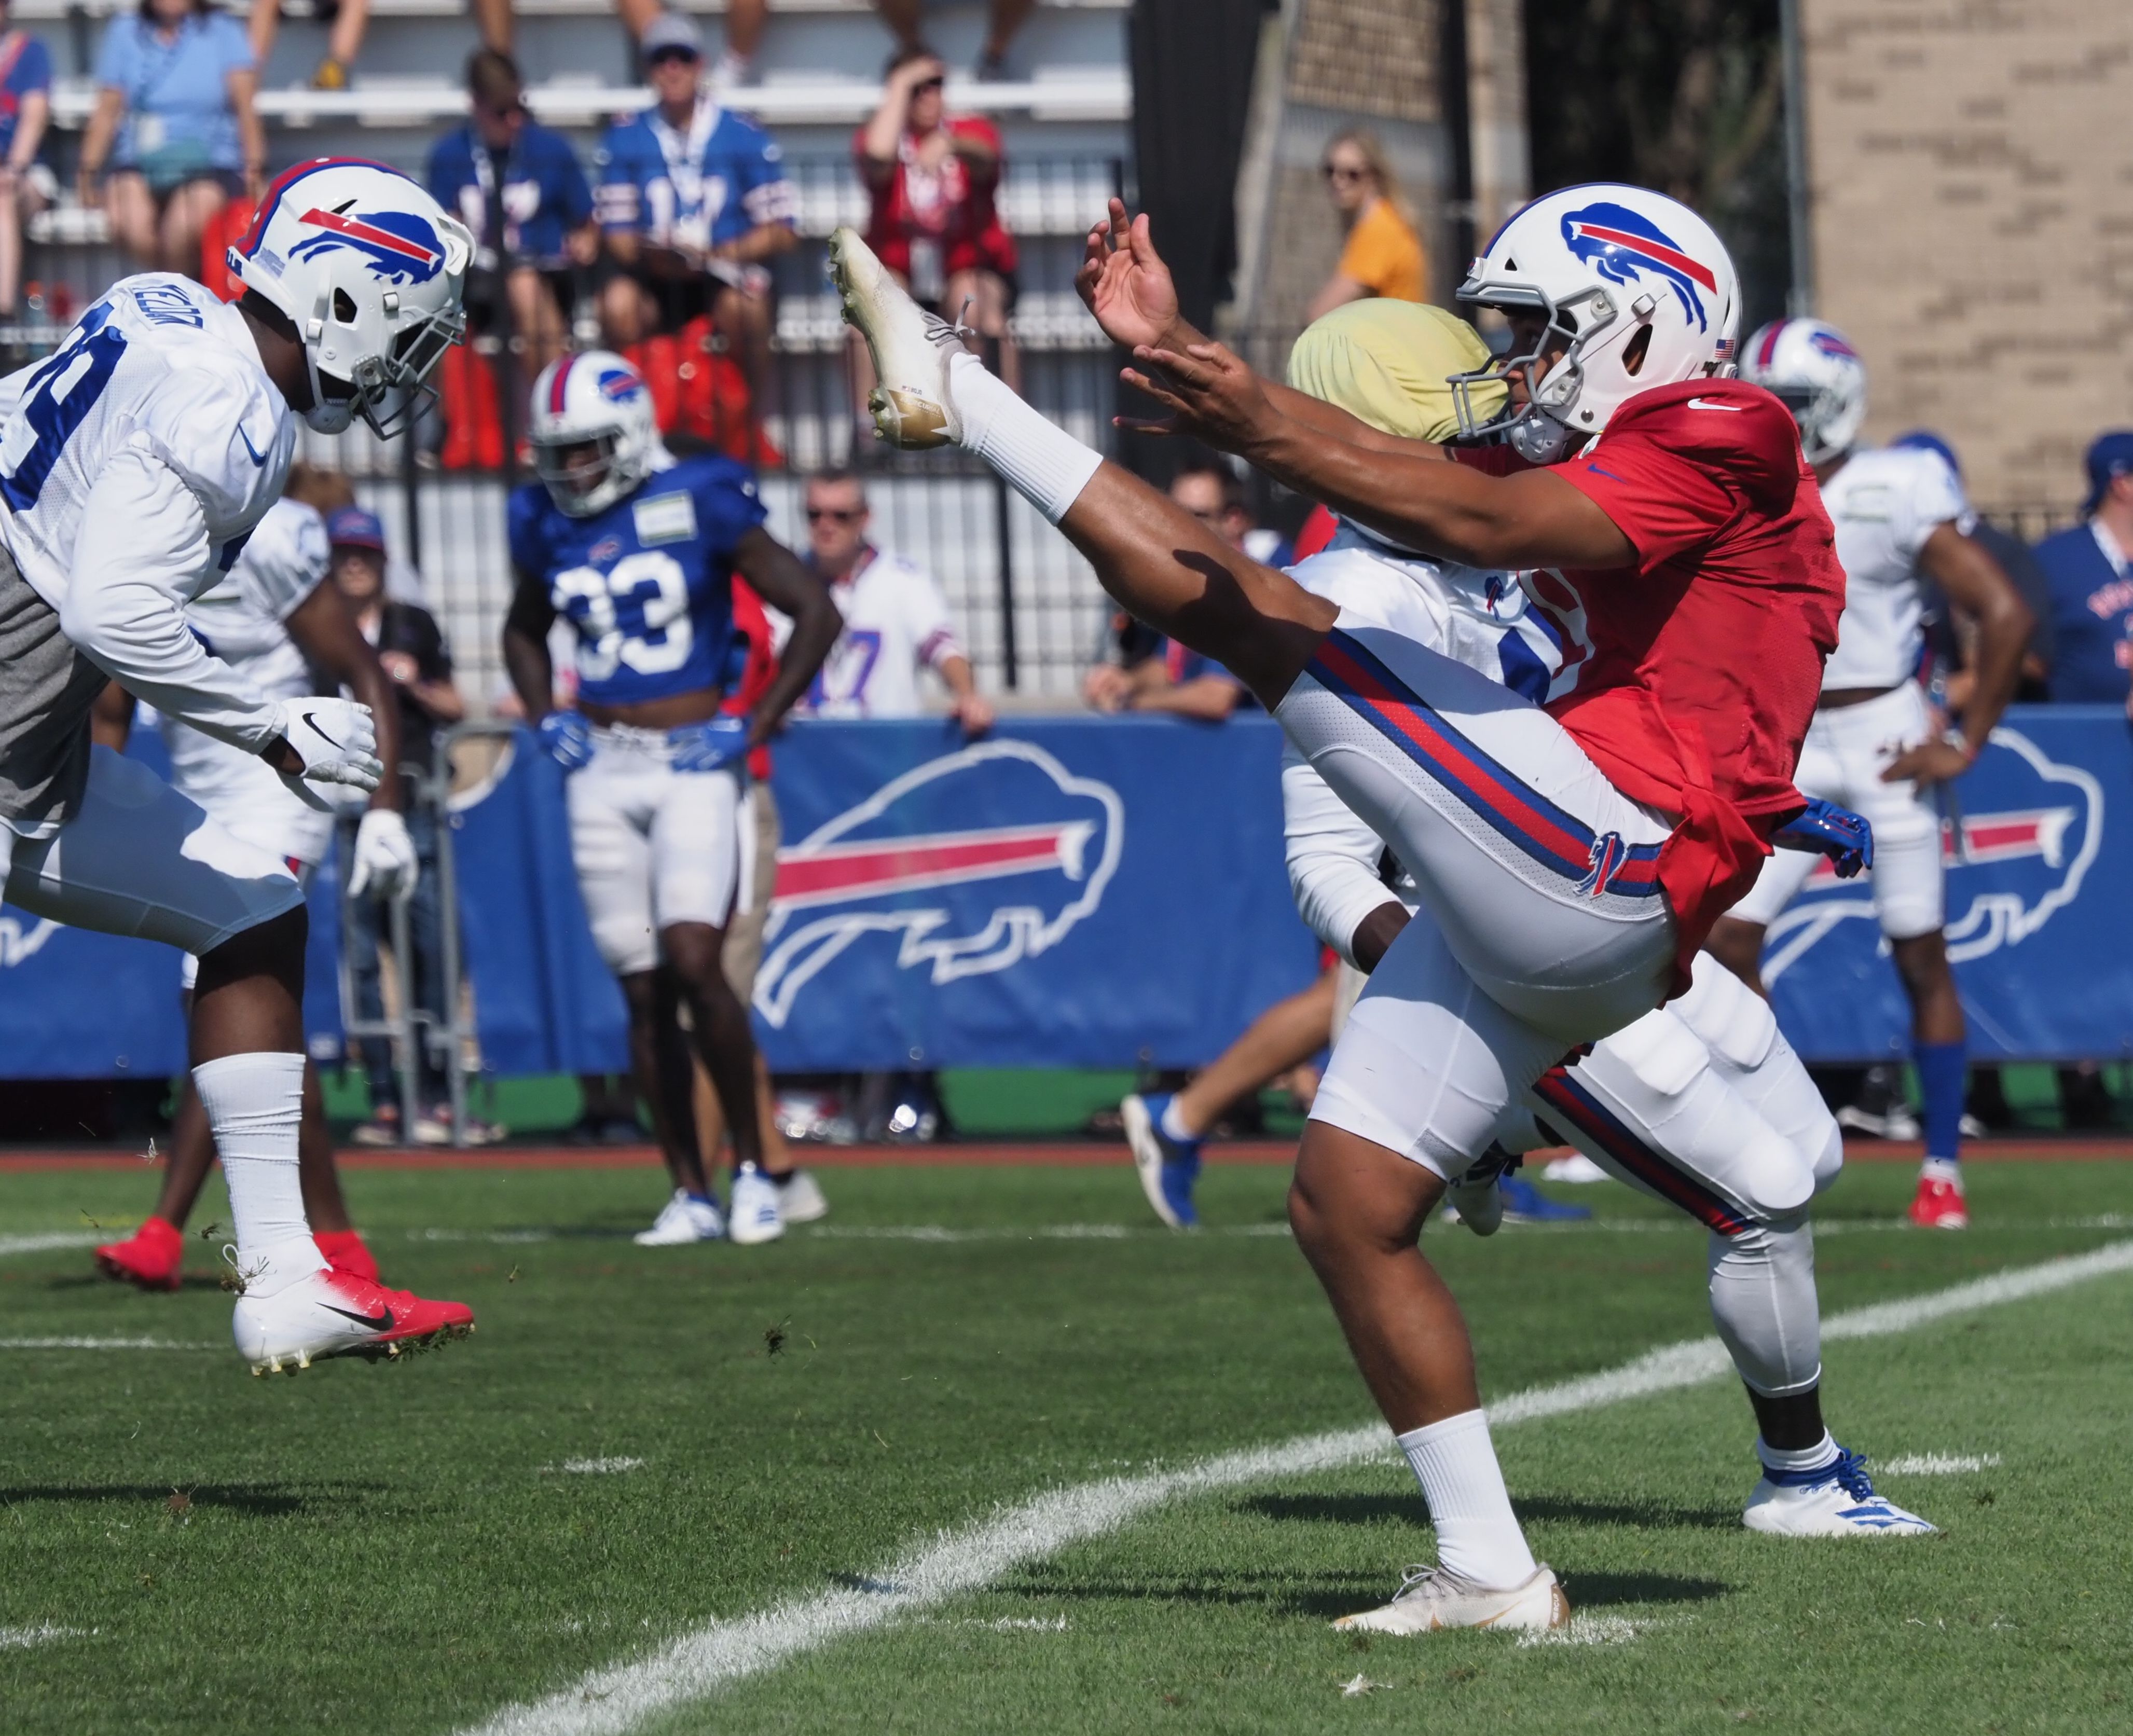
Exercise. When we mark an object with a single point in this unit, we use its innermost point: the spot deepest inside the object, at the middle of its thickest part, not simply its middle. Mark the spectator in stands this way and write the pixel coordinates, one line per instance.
(517, 186)
(2091, 588)
(744, 20)
(26, 110)
(1003, 18)
(1148, 672)
(175, 124)
(413, 652)
(693, 202)
(932, 179)
(345, 22)
(896, 620)
(1382, 255)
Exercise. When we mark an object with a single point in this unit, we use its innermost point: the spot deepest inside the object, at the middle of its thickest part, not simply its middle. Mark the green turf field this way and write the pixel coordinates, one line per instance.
(185, 1548)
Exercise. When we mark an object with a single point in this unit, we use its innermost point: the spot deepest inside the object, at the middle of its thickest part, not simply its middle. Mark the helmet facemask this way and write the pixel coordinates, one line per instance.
(1539, 429)
(390, 394)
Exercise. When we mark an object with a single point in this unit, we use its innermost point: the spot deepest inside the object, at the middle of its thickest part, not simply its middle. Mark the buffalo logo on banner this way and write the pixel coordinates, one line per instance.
(953, 902)
(20, 940)
(2009, 871)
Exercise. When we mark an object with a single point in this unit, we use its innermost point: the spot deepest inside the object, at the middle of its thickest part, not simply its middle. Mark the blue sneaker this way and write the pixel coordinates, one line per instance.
(1526, 1204)
(1837, 1500)
(1168, 1167)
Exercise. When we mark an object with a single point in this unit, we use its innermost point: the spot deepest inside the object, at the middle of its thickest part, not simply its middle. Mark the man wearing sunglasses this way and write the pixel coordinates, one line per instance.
(693, 202)
(517, 186)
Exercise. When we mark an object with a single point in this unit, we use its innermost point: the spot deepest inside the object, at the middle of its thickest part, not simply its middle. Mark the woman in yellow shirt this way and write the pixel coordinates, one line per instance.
(1383, 256)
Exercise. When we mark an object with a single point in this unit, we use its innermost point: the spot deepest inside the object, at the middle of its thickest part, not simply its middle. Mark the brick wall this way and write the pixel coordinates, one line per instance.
(1971, 169)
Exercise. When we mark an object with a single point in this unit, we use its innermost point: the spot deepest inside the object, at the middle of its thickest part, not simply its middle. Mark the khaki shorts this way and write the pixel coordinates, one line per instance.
(743, 948)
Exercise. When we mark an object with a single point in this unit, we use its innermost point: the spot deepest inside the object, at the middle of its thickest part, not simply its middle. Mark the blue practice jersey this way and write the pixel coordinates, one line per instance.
(545, 194)
(698, 190)
(647, 584)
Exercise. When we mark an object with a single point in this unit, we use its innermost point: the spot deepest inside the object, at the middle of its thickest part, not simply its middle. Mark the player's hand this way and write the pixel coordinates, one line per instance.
(1209, 390)
(1928, 763)
(708, 747)
(384, 863)
(325, 741)
(1125, 283)
(1825, 829)
(974, 711)
(400, 667)
(568, 737)
(1106, 688)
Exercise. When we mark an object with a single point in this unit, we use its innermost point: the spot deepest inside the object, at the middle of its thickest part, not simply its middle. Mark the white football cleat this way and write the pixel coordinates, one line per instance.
(682, 1220)
(799, 1198)
(754, 1216)
(1837, 1500)
(329, 1313)
(1431, 1598)
(911, 405)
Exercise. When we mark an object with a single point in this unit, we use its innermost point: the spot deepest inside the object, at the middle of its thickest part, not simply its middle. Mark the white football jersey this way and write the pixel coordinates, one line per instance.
(896, 623)
(241, 621)
(1885, 503)
(134, 463)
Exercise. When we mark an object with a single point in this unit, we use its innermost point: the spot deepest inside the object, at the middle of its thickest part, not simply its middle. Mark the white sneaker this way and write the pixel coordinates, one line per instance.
(328, 1313)
(799, 1198)
(1837, 1500)
(910, 347)
(1432, 1598)
(754, 1217)
(1576, 1168)
(682, 1219)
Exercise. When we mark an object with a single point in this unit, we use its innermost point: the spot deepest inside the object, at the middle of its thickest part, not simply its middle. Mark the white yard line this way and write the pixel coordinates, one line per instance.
(104, 1343)
(43, 1634)
(610, 1701)
(1935, 1464)
(40, 1243)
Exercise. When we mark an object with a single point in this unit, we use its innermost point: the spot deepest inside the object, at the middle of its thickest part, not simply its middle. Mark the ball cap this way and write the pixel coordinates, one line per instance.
(352, 527)
(671, 31)
(2111, 456)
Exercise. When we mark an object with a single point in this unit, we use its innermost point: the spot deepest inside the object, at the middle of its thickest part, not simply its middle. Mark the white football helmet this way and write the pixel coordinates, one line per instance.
(1639, 288)
(1820, 378)
(596, 399)
(370, 270)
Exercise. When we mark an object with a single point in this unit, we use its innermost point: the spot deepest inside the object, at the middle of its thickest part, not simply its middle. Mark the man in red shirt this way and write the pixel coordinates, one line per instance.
(1573, 858)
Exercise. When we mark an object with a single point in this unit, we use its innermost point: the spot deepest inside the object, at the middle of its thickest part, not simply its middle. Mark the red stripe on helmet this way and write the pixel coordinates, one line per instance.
(556, 386)
(355, 227)
(1652, 250)
(1768, 353)
(287, 178)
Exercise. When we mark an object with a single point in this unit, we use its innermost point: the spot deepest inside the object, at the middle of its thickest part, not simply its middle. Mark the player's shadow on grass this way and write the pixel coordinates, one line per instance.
(1407, 1509)
(1643, 1515)
(1605, 1590)
(257, 1500)
(1318, 1594)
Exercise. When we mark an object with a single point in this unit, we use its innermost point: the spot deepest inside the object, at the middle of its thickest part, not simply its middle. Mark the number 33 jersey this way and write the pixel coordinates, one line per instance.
(647, 583)
(158, 377)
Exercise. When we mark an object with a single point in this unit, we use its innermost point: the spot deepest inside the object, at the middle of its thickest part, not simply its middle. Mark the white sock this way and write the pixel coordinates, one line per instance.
(1043, 463)
(1174, 1123)
(1942, 1169)
(1477, 1535)
(254, 1102)
(1822, 1452)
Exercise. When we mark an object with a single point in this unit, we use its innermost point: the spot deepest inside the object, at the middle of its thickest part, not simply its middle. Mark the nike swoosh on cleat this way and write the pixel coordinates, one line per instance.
(311, 719)
(381, 1322)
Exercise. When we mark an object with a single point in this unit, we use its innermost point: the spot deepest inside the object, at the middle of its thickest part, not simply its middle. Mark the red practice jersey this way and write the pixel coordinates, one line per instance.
(1691, 677)
(950, 206)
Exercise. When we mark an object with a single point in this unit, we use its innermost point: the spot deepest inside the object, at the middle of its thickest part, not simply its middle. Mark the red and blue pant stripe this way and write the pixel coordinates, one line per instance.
(1566, 1097)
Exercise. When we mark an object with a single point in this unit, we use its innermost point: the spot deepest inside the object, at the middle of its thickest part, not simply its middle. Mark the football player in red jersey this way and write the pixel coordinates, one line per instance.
(1573, 858)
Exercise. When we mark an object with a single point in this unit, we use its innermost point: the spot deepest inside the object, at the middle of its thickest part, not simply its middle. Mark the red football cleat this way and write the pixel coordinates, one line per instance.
(150, 1256)
(328, 1313)
(1938, 1205)
(346, 1251)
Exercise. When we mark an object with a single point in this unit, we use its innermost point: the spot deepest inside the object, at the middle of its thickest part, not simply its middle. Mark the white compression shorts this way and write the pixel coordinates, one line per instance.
(138, 858)
(653, 846)
(1845, 754)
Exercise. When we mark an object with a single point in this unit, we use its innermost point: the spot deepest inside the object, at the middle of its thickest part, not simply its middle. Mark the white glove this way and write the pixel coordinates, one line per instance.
(385, 864)
(335, 740)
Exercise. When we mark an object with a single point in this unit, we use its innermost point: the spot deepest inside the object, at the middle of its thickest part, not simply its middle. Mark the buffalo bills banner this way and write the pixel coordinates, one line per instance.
(1109, 892)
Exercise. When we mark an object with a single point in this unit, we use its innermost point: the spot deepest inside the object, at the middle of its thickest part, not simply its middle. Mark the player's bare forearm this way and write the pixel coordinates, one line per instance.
(111, 717)
(765, 241)
(1980, 591)
(1376, 932)
(791, 589)
(324, 628)
(526, 659)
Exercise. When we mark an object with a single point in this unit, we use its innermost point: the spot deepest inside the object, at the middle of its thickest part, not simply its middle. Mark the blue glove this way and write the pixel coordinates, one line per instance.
(1844, 837)
(568, 737)
(708, 747)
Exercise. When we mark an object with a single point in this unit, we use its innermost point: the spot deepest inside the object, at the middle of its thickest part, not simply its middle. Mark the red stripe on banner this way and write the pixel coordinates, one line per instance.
(1652, 250)
(1479, 785)
(879, 866)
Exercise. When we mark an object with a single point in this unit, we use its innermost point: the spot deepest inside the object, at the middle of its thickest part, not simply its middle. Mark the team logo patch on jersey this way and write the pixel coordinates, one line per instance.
(900, 869)
(400, 246)
(1623, 246)
(2011, 869)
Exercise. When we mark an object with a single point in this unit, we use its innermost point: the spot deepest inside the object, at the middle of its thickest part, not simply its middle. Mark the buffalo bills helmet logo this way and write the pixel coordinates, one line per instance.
(399, 245)
(1825, 342)
(905, 868)
(1623, 246)
(620, 385)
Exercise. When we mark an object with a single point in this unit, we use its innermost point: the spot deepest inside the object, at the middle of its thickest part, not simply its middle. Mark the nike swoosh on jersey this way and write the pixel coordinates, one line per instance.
(381, 1322)
(258, 457)
(1713, 404)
